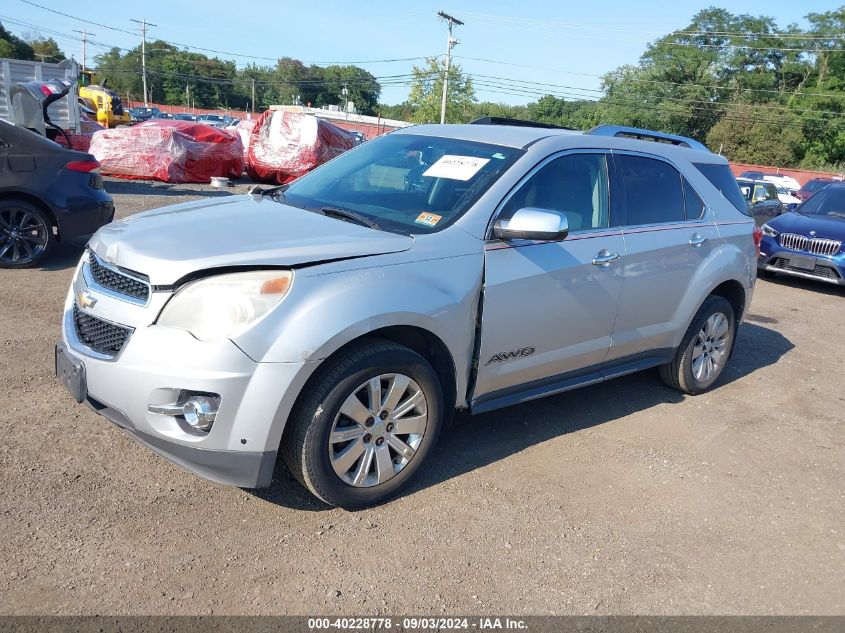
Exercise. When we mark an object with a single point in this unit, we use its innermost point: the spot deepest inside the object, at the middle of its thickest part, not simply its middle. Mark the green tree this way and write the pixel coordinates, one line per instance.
(427, 92)
(753, 134)
(14, 47)
(46, 49)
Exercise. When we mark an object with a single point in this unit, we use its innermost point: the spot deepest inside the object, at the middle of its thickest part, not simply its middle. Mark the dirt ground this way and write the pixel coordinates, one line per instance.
(619, 498)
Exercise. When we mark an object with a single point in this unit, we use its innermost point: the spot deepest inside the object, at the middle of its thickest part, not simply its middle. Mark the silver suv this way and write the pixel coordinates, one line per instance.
(340, 320)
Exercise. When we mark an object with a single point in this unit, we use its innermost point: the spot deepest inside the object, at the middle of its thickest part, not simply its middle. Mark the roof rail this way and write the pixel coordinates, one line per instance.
(647, 135)
(499, 120)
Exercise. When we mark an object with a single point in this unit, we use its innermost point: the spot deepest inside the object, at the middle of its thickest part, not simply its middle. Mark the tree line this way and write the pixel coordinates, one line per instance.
(747, 87)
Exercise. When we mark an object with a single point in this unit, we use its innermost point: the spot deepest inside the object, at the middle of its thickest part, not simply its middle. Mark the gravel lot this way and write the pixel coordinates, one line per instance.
(618, 498)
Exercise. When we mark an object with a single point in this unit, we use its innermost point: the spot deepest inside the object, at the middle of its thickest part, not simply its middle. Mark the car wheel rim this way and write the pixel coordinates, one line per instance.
(23, 235)
(378, 430)
(710, 348)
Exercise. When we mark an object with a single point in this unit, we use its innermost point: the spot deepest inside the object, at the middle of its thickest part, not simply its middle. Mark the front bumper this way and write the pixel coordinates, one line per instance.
(157, 363)
(774, 258)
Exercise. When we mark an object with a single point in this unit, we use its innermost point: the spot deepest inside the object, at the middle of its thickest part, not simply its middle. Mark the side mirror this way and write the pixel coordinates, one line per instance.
(531, 223)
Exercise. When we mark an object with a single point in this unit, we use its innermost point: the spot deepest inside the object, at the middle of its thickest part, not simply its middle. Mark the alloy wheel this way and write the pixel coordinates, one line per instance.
(23, 235)
(711, 347)
(378, 430)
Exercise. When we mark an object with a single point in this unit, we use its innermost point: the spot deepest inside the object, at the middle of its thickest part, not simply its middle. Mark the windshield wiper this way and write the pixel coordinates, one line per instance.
(345, 214)
(278, 190)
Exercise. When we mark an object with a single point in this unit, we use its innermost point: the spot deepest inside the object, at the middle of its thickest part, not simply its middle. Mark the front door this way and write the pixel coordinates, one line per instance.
(549, 307)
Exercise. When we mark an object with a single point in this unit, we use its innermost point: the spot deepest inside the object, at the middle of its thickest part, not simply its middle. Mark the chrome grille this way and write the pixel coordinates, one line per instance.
(99, 335)
(815, 245)
(116, 281)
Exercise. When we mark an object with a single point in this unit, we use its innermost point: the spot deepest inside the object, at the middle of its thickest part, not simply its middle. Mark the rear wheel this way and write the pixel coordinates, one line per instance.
(366, 425)
(26, 234)
(705, 348)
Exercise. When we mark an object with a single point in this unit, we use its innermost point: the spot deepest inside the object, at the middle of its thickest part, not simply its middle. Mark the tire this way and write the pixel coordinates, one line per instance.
(311, 447)
(683, 373)
(26, 234)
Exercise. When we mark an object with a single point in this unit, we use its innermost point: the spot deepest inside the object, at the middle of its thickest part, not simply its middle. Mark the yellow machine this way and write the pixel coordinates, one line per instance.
(102, 100)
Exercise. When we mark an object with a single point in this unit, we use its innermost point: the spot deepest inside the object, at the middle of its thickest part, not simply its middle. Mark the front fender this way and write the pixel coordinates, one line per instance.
(325, 311)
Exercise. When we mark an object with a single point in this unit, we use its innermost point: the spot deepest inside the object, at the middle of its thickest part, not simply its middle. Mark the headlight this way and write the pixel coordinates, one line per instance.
(769, 231)
(222, 306)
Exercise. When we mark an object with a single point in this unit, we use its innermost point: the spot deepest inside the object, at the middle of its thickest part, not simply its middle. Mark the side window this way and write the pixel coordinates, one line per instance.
(575, 185)
(693, 205)
(652, 190)
(759, 193)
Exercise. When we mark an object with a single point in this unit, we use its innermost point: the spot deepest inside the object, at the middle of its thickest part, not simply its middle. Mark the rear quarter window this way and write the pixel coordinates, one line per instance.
(721, 177)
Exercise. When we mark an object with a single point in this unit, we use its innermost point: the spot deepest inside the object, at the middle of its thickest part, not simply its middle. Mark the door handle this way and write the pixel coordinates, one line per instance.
(697, 240)
(605, 258)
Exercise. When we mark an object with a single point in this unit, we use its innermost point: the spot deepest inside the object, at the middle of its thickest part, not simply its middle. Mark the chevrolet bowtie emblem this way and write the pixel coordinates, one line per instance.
(85, 300)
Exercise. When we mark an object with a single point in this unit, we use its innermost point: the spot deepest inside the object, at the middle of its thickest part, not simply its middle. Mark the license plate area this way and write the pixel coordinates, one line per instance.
(803, 262)
(71, 373)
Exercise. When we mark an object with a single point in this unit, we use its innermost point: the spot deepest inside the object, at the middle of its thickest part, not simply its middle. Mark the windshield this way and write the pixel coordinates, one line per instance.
(403, 182)
(829, 202)
(815, 185)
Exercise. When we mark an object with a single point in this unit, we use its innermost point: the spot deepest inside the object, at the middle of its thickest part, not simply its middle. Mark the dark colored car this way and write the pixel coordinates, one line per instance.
(47, 194)
(185, 116)
(143, 113)
(808, 242)
(762, 198)
(812, 186)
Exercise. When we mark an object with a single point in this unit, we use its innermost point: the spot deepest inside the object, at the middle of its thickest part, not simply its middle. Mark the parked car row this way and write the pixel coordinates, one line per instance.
(142, 113)
(802, 233)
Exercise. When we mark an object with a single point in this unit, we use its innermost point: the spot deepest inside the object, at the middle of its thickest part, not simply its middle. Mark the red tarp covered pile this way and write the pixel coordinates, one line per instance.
(284, 145)
(244, 130)
(169, 150)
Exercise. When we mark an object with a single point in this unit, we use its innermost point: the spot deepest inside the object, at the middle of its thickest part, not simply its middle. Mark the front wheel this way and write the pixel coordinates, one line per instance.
(704, 350)
(366, 425)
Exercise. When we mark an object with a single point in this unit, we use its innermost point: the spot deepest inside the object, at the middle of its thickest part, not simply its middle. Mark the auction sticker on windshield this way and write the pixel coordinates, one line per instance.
(456, 167)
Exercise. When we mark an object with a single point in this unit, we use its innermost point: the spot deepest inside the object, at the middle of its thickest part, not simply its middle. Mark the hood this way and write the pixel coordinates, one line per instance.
(793, 222)
(168, 243)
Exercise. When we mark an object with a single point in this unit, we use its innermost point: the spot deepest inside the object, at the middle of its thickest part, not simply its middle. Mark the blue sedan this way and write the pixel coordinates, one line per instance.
(808, 242)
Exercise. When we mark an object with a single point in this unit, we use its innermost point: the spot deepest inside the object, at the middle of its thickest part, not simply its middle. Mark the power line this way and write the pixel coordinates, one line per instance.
(85, 35)
(658, 81)
(537, 26)
(511, 21)
(220, 52)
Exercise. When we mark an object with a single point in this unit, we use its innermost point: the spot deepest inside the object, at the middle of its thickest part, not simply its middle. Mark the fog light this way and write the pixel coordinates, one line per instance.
(200, 411)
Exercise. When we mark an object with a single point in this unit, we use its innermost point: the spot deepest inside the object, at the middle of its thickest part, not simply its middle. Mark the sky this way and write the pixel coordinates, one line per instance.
(505, 46)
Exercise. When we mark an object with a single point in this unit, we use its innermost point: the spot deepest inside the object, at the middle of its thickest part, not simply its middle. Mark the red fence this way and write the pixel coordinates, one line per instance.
(801, 175)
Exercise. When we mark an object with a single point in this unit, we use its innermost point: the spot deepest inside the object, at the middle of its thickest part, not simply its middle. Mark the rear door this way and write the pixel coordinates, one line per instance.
(668, 235)
(549, 307)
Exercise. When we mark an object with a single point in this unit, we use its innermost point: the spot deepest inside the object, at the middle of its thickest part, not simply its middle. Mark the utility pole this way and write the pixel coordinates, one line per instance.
(144, 26)
(85, 35)
(451, 22)
(252, 107)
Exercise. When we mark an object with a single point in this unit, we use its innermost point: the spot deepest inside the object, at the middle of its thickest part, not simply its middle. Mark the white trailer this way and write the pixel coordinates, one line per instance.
(64, 112)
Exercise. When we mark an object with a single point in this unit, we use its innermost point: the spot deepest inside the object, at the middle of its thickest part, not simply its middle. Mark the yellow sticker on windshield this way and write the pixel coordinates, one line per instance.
(428, 219)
